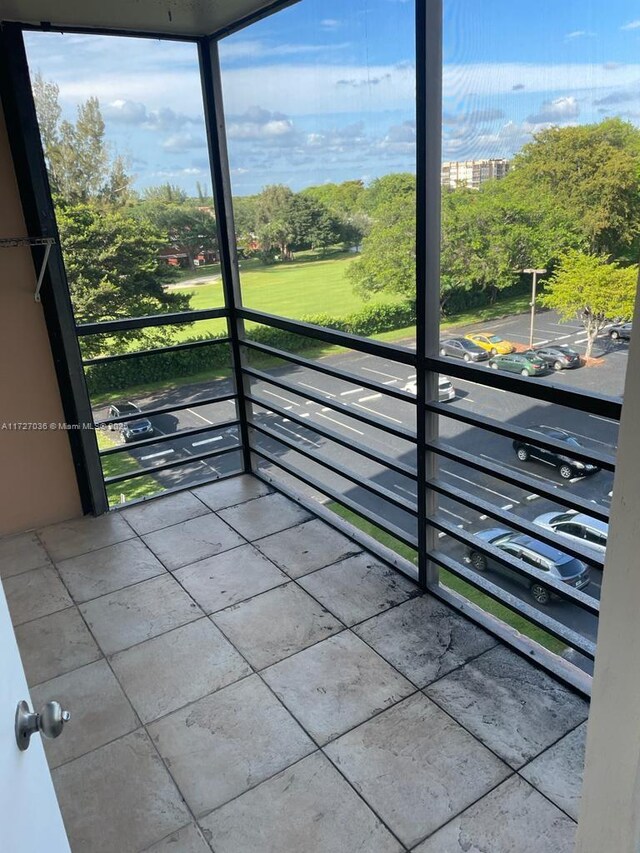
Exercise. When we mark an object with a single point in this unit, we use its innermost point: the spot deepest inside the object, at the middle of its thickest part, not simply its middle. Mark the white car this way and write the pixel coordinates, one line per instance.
(446, 391)
(576, 527)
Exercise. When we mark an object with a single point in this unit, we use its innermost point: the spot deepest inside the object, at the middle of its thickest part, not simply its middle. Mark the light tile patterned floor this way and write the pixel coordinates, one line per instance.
(243, 679)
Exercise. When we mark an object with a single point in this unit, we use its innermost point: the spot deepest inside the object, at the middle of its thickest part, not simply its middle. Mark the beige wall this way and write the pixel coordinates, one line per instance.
(610, 809)
(37, 479)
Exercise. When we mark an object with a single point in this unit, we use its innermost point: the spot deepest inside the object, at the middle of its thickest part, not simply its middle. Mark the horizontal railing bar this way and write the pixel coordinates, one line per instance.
(391, 529)
(551, 626)
(523, 434)
(533, 387)
(336, 372)
(359, 480)
(170, 436)
(510, 519)
(401, 355)
(342, 525)
(121, 356)
(166, 410)
(520, 479)
(405, 435)
(332, 435)
(108, 327)
(580, 599)
(142, 472)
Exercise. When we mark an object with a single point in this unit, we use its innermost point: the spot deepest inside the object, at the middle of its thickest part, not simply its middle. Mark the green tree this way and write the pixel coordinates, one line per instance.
(79, 162)
(593, 173)
(388, 260)
(111, 259)
(586, 287)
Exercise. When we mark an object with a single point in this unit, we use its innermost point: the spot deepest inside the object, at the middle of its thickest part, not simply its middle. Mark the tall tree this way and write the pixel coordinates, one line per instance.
(586, 287)
(79, 161)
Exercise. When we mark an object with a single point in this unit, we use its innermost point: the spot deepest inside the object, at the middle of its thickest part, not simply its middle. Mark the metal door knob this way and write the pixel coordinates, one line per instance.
(49, 722)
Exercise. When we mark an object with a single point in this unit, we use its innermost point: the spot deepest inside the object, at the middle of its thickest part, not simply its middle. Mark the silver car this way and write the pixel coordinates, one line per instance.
(577, 528)
(446, 391)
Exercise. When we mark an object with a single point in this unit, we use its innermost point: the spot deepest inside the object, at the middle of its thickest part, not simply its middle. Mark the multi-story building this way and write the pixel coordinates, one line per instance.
(472, 173)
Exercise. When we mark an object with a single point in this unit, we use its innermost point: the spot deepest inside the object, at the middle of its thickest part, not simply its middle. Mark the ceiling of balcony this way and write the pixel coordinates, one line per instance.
(177, 17)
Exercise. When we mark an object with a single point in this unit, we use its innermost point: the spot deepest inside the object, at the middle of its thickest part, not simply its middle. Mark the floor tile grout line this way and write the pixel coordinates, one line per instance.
(469, 806)
(254, 671)
(84, 518)
(320, 747)
(167, 837)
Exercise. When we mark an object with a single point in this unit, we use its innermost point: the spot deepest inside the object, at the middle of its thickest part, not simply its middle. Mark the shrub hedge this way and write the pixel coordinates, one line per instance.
(165, 366)
(112, 376)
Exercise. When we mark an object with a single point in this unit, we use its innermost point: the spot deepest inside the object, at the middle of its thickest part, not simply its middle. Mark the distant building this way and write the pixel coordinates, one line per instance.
(472, 173)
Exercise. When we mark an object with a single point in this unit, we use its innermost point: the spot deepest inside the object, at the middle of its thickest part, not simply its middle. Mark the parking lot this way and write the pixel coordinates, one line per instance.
(294, 414)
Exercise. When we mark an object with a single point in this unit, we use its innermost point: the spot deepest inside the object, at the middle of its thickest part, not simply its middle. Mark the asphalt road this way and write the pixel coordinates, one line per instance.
(606, 376)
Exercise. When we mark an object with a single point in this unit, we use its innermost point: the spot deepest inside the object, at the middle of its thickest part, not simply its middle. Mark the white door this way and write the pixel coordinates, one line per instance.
(30, 820)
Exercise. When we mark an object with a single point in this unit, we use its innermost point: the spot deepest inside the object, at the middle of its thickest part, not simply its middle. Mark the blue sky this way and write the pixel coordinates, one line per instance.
(324, 90)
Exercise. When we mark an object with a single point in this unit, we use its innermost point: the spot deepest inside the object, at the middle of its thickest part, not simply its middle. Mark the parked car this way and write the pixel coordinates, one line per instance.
(526, 364)
(558, 356)
(621, 331)
(446, 391)
(491, 343)
(568, 467)
(133, 430)
(462, 348)
(577, 527)
(560, 566)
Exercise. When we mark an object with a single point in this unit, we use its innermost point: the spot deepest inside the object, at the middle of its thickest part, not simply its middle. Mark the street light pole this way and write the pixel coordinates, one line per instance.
(534, 284)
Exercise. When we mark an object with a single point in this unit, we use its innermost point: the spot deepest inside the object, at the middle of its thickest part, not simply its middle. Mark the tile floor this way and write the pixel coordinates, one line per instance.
(244, 679)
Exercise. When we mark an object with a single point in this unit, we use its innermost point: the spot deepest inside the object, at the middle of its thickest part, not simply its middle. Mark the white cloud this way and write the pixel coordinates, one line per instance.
(183, 142)
(559, 110)
(126, 112)
(578, 34)
(330, 24)
(632, 25)
(258, 49)
(258, 123)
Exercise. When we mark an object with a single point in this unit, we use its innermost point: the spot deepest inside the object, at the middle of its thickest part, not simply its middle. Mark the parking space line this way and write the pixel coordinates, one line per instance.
(333, 420)
(606, 420)
(206, 441)
(272, 394)
(382, 373)
(507, 506)
(319, 390)
(478, 485)
(353, 391)
(379, 414)
(202, 417)
(448, 511)
(480, 385)
(370, 397)
(155, 455)
(297, 435)
(406, 491)
(581, 435)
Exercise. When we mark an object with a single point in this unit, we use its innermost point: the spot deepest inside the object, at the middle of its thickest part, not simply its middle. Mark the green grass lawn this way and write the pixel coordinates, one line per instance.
(295, 289)
(122, 463)
(447, 579)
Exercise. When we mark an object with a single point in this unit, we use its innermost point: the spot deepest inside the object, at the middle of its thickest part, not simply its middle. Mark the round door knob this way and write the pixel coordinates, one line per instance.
(49, 722)
(52, 719)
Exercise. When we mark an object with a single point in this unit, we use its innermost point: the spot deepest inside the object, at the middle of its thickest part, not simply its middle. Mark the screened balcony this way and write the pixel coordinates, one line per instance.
(255, 544)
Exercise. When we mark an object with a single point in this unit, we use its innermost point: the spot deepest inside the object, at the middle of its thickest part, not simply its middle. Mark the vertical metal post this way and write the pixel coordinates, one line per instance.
(39, 216)
(221, 183)
(428, 215)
